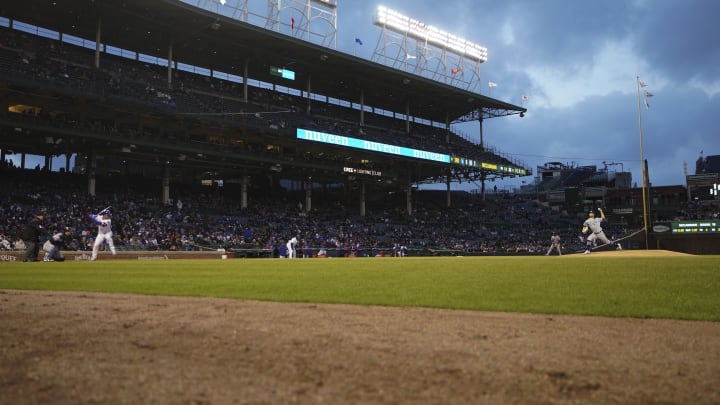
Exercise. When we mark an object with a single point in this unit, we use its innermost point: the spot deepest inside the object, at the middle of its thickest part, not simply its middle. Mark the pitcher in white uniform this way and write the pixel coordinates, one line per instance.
(594, 226)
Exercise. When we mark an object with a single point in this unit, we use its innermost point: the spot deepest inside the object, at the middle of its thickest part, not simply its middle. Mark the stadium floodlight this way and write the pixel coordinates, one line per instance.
(326, 3)
(418, 30)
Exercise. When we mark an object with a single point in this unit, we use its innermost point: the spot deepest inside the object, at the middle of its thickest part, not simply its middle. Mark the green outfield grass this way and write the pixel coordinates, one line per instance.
(678, 287)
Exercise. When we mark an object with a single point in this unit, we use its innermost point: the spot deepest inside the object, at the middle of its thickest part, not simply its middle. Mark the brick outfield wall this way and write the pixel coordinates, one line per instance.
(694, 244)
(12, 256)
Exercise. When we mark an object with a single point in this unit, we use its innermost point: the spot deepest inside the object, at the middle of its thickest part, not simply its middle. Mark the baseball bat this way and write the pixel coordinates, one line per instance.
(105, 209)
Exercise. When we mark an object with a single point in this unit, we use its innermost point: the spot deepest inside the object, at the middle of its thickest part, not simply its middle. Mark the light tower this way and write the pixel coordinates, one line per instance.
(425, 50)
(312, 20)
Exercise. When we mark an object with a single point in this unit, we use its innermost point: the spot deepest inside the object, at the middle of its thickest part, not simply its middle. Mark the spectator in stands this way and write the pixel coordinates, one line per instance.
(322, 253)
(4, 243)
(307, 252)
(19, 244)
(280, 251)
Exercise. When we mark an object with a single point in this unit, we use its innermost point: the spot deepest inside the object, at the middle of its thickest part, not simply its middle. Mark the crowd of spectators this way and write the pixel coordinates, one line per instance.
(696, 210)
(209, 218)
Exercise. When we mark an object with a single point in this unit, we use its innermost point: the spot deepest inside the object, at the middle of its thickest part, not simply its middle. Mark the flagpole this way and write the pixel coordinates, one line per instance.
(642, 168)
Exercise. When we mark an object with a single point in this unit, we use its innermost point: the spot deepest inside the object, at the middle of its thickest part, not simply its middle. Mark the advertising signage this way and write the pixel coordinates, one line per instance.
(346, 141)
(371, 146)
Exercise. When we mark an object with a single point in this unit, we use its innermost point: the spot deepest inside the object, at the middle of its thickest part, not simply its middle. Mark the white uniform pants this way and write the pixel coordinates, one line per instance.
(599, 236)
(102, 237)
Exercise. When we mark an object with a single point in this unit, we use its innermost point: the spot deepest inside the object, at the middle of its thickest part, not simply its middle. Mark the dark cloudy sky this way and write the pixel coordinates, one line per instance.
(578, 61)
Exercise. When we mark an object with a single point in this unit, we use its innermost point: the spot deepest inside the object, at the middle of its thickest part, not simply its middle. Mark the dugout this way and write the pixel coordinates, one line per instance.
(139, 255)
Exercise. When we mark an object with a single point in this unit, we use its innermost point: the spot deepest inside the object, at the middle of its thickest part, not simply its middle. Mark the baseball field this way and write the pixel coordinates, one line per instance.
(610, 327)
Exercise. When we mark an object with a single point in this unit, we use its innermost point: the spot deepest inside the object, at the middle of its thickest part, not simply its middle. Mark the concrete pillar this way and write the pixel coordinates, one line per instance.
(362, 107)
(97, 44)
(409, 199)
(309, 95)
(245, 81)
(447, 185)
(244, 192)
(91, 165)
(362, 199)
(169, 65)
(308, 195)
(166, 184)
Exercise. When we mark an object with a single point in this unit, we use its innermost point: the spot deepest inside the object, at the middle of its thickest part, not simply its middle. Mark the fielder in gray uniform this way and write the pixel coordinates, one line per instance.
(52, 246)
(554, 244)
(594, 226)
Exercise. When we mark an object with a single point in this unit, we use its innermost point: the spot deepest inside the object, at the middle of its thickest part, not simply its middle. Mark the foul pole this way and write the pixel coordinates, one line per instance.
(642, 165)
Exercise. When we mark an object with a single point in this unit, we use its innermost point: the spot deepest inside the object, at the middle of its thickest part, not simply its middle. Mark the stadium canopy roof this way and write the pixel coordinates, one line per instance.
(213, 41)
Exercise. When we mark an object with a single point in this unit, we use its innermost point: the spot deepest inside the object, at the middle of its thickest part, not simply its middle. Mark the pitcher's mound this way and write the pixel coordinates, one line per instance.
(640, 253)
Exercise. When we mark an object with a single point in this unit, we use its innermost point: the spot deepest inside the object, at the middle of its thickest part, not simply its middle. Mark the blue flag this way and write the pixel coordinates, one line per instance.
(358, 41)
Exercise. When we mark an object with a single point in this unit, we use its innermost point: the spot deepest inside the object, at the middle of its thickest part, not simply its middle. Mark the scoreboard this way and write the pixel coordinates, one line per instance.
(694, 227)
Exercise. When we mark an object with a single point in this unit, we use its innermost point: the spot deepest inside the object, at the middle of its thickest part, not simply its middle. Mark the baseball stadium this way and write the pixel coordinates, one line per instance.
(192, 149)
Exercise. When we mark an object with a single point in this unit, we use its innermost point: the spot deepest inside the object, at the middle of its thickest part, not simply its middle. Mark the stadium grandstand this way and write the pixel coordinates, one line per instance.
(705, 183)
(197, 94)
(216, 127)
